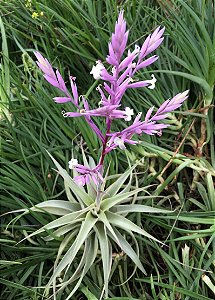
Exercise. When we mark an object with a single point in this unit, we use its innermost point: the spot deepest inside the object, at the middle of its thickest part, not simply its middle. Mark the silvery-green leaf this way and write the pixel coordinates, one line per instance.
(140, 208)
(85, 198)
(89, 259)
(107, 203)
(76, 274)
(117, 185)
(71, 218)
(68, 258)
(69, 194)
(56, 207)
(121, 222)
(61, 248)
(126, 247)
(106, 253)
(102, 217)
(59, 232)
(64, 244)
(92, 163)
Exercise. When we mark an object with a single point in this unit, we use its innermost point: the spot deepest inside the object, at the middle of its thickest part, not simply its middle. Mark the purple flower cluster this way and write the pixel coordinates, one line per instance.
(116, 82)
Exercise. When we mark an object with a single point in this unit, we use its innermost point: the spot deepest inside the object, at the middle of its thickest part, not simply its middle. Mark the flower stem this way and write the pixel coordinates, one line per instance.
(104, 143)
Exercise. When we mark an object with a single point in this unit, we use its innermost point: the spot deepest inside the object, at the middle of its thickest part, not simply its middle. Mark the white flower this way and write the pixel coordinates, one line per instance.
(113, 70)
(129, 112)
(137, 49)
(96, 70)
(72, 163)
(120, 143)
(152, 82)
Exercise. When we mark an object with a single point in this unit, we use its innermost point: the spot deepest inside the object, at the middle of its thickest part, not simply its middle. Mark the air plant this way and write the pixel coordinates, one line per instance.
(94, 218)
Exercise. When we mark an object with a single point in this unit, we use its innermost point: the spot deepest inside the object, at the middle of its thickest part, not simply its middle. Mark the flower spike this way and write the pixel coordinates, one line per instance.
(116, 82)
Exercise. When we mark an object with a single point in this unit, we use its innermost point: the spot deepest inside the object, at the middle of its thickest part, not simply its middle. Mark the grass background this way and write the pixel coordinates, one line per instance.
(180, 165)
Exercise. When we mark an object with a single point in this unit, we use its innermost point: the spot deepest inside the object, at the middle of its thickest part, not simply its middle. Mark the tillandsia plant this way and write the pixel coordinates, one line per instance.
(121, 78)
(94, 217)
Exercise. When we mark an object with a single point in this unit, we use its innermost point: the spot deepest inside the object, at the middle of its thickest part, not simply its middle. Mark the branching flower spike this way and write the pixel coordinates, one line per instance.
(124, 67)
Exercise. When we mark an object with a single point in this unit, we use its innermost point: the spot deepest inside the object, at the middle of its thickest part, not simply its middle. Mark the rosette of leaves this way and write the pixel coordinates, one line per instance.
(83, 228)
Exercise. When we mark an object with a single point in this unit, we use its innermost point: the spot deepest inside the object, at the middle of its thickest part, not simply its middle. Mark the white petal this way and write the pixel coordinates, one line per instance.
(128, 118)
(122, 146)
(96, 70)
(129, 112)
(137, 49)
(152, 82)
(119, 143)
(72, 163)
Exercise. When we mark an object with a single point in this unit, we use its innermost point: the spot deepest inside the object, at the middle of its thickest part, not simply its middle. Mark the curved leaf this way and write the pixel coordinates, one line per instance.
(71, 218)
(127, 225)
(126, 247)
(73, 186)
(68, 258)
(91, 254)
(113, 189)
(56, 207)
(110, 202)
(106, 253)
(140, 208)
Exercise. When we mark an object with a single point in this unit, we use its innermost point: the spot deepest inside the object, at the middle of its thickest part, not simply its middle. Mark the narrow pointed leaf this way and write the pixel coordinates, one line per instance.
(59, 232)
(56, 207)
(117, 185)
(71, 218)
(105, 253)
(127, 225)
(126, 247)
(64, 244)
(68, 193)
(102, 217)
(68, 258)
(74, 187)
(89, 259)
(110, 202)
(140, 208)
